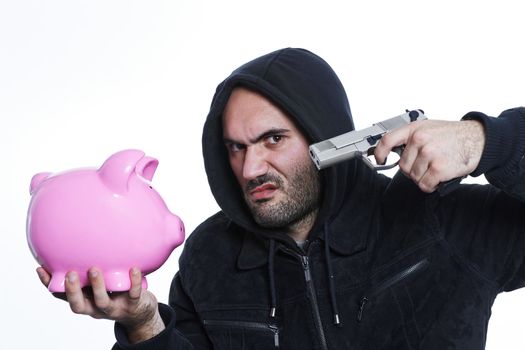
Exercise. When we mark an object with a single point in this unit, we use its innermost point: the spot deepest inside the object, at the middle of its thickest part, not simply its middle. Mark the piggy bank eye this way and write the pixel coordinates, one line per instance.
(150, 187)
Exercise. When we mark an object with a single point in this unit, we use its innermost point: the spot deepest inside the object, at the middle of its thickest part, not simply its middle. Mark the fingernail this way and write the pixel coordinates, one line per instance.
(93, 273)
(71, 277)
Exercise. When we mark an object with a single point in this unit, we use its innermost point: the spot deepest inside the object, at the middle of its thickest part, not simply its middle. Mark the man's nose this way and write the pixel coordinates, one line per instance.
(255, 163)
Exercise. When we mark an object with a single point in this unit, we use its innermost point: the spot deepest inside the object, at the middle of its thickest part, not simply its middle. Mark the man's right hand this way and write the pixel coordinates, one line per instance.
(137, 310)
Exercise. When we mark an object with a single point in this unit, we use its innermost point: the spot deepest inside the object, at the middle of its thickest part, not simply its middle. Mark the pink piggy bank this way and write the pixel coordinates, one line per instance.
(109, 217)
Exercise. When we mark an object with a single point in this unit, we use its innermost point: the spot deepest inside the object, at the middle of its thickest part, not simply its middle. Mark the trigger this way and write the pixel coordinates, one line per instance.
(399, 149)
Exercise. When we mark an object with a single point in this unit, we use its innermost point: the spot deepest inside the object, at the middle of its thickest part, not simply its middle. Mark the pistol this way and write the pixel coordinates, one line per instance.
(360, 143)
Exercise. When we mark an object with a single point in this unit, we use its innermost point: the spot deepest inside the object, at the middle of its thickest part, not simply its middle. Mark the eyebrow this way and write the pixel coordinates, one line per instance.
(271, 132)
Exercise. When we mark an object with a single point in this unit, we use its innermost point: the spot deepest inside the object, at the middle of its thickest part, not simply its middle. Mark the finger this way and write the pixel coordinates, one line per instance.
(44, 277)
(101, 298)
(390, 140)
(417, 164)
(415, 158)
(74, 294)
(426, 184)
(431, 179)
(136, 284)
(407, 160)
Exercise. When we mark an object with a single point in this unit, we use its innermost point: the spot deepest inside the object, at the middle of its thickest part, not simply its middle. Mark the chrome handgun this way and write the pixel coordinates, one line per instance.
(360, 143)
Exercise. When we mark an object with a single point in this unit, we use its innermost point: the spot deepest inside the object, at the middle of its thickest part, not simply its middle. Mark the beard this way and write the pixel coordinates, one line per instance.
(302, 197)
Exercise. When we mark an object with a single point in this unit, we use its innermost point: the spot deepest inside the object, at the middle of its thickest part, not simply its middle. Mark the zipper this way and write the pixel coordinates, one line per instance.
(313, 300)
(258, 326)
(388, 283)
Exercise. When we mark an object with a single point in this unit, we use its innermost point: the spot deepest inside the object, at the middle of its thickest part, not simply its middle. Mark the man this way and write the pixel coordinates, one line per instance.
(344, 258)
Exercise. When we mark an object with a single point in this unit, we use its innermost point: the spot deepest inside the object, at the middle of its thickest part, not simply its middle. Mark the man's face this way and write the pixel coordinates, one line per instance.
(269, 157)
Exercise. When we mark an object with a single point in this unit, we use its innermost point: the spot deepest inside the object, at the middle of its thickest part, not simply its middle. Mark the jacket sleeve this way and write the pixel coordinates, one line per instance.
(484, 225)
(183, 329)
(503, 160)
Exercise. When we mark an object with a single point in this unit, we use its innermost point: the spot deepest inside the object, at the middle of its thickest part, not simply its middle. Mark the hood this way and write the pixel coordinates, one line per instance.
(308, 90)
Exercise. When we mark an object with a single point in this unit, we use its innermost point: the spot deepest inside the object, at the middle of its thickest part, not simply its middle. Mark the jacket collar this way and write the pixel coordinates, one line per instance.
(254, 250)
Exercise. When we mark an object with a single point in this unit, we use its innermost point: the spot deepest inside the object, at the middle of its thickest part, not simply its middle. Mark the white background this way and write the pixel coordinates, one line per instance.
(82, 79)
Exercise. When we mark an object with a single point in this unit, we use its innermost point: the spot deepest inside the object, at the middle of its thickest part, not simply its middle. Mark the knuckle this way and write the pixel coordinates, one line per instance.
(427, 152)
(435, 168)
(423, 185)
(429, 183)
(102, 305)
(403, 166)
(134, 295)
(386, 140)
(420, 137)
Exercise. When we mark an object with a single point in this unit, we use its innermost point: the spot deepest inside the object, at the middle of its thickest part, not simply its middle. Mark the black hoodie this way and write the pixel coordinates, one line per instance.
(305, 87)
(387, 266)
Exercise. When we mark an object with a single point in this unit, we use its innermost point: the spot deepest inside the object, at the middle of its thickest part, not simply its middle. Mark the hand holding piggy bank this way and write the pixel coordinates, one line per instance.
(108, 217)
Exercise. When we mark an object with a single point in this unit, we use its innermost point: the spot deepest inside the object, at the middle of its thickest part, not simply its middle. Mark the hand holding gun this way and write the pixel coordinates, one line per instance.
(363, 143)
(360, 143)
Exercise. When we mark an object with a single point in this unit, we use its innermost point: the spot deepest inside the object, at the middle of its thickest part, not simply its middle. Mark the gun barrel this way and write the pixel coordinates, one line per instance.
(325, 153)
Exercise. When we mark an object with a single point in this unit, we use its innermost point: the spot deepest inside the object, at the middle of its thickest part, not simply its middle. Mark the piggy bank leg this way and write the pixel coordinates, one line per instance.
(58, 280)
(118, 281)
(57, 283)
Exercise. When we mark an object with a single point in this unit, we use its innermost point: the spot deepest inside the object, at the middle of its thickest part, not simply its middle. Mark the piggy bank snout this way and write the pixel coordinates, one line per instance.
(175, 230)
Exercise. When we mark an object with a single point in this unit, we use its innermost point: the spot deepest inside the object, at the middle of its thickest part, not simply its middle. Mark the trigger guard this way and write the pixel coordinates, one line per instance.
(385, 167)
(378, 167)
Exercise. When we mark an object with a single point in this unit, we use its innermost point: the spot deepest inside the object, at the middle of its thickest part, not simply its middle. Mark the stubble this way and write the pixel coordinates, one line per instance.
(302, 197)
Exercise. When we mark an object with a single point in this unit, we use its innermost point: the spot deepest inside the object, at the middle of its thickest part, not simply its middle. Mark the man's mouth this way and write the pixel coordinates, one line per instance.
(262, 192)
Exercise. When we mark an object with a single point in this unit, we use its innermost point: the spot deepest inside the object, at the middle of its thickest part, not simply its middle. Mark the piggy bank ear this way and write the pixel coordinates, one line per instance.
(146, 167)
(36, 180)
(117, 169)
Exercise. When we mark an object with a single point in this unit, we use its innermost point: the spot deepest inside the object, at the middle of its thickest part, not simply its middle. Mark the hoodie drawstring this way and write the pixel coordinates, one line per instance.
(331, 282)
(271, 274)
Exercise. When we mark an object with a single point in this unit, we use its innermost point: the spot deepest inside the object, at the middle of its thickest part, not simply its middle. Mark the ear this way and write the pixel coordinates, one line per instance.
(117, 169)
(146, 167)
(36, 180)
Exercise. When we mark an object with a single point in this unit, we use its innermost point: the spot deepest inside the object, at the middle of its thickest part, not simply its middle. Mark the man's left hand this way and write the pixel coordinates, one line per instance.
(435, 151)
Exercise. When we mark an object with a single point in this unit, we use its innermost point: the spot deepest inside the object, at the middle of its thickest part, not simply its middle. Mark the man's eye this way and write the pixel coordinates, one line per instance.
(235, 147)
(274, 139)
